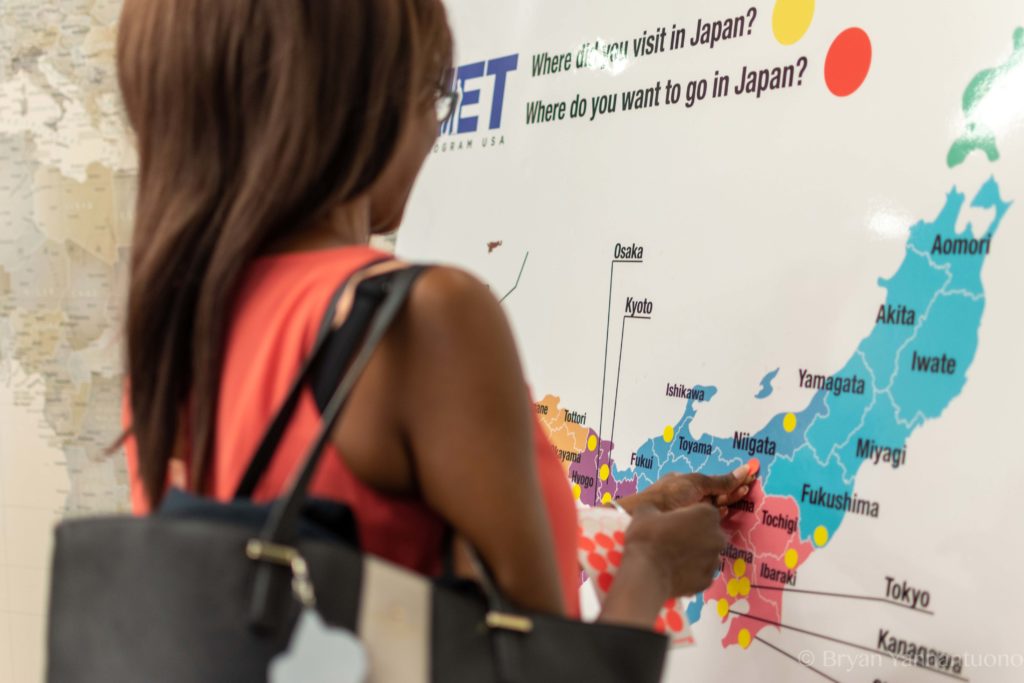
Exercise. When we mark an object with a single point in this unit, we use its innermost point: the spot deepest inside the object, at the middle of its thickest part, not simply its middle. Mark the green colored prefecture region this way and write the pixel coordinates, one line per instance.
(978, 134)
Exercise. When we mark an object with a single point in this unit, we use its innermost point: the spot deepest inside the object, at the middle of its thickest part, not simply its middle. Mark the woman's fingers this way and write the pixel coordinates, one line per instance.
(725, 484)
(730, 498)
(729, 488)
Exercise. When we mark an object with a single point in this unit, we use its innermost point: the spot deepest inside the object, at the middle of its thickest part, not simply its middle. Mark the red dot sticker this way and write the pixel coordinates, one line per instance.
(615, 557)
(605, 581)
(586, 545)
(754, 466)
(604, 541)
(597, 562)
(620, 538)
(848, 62)
(675, 622)
(659, 625)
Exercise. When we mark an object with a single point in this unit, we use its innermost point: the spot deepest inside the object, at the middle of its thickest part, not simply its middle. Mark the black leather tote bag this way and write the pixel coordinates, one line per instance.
(211, 592)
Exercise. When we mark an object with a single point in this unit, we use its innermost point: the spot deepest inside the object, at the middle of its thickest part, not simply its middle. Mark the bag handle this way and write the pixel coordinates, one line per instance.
(275, 544)
(264, 454)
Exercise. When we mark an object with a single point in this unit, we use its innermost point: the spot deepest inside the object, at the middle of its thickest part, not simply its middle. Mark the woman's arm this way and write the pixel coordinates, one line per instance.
(467, 420)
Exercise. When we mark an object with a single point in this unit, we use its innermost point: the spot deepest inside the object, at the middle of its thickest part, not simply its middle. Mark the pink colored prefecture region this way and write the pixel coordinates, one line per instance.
(752, 588)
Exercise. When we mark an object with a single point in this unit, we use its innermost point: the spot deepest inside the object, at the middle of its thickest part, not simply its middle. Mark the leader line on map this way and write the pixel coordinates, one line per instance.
(899, 649)
(636, 309)
(896, 591)
(631, 253)
(519, 277)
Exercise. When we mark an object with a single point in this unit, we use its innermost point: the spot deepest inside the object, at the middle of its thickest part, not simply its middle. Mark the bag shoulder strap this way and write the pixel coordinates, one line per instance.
(393, 290)
(334, 359)
(334, 345)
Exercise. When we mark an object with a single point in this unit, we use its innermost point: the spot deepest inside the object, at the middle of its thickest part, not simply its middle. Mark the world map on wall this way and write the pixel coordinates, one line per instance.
(67, 173)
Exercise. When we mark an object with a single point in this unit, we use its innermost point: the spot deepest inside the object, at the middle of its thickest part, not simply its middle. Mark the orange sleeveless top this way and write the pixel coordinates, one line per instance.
(274, 322)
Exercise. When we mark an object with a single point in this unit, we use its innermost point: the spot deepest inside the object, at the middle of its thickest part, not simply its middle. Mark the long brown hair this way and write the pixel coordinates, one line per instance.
(253, 118)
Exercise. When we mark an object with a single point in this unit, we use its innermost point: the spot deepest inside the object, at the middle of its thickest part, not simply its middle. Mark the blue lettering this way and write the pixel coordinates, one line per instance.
(500, 68)
(468, 72)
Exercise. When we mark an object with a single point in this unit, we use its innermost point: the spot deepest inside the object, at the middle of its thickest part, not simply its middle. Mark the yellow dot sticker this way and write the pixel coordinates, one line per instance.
(723, 607)
(820, 536)
(732, 588)
(792, 558)
(604, 472)
(743, 638)
(739, 567)
(791, 19)
(789, 422)
(592, 443)
(745, 585)
(576, 491)
(669, 432)
(606, 498)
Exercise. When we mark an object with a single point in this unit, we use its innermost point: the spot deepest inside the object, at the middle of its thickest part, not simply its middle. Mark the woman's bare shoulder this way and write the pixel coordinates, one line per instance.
(451, 309)
(444, 291)
(458, 343)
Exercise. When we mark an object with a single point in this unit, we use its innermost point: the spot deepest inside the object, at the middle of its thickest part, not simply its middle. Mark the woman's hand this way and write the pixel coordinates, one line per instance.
(667, 554)
(675, 491)
(683, 546)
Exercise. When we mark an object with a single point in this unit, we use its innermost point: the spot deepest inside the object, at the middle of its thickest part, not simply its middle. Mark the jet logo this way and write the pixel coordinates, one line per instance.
(472, 114)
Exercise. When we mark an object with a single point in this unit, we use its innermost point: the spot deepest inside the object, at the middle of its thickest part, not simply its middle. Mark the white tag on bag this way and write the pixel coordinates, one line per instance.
(394, 622)
(319, 653)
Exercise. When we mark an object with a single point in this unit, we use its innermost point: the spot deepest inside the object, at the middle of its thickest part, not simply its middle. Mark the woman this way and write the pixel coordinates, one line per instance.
(274, 139)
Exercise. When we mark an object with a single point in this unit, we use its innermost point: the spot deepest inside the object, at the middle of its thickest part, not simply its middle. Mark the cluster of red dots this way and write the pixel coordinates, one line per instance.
(611, 546)
(670, 617)
(604, 554)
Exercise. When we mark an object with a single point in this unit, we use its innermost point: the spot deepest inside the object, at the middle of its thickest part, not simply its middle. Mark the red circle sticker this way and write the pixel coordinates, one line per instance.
(674, 621)
(848, 62)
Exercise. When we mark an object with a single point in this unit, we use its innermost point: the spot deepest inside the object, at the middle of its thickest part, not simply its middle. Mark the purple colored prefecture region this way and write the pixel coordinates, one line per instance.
(586, 473)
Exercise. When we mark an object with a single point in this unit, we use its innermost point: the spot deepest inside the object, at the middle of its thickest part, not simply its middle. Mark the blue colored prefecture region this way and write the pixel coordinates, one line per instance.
(693, 609)
(950, 330)
(964, 269)
(766, 385)
(822, 454)
(914, 286)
